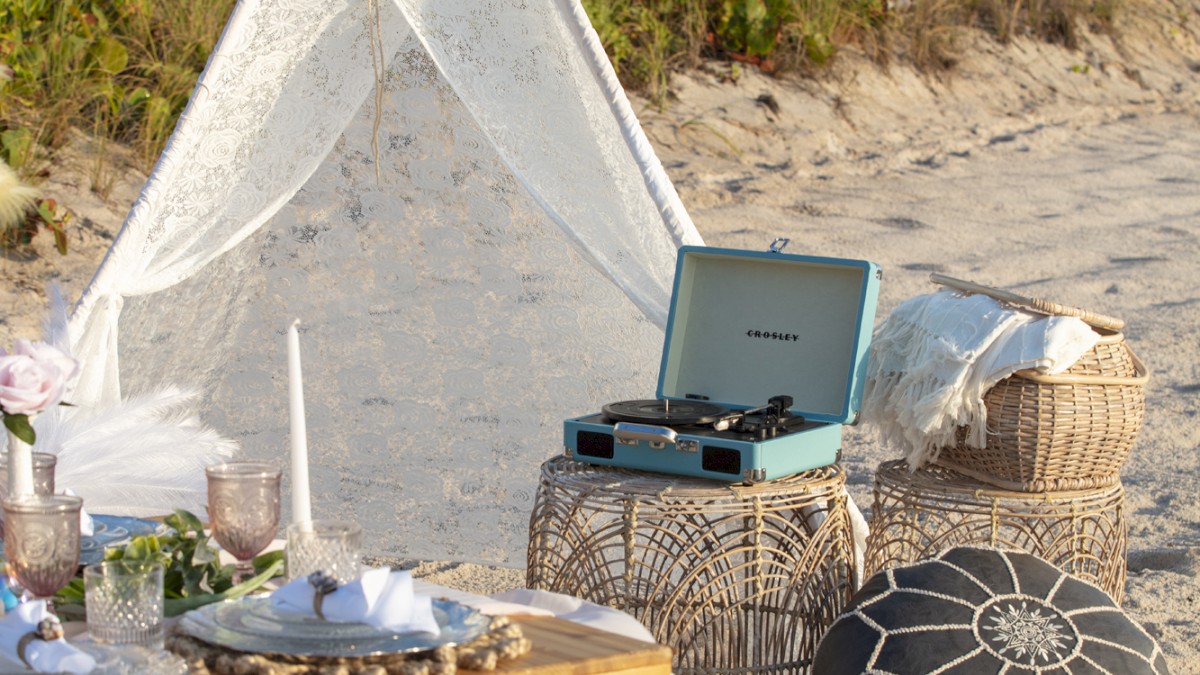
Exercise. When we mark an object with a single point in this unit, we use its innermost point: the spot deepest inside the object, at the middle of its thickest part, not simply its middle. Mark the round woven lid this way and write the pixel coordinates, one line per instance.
(1034, 304)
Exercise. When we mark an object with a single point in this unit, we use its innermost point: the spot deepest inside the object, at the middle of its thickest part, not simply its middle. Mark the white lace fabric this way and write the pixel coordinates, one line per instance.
(509, 266)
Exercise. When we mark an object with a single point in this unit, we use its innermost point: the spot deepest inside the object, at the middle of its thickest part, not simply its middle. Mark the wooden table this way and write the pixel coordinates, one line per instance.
(561, 647)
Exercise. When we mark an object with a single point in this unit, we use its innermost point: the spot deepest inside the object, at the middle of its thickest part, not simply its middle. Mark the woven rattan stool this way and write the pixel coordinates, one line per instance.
(919, 514)
(741, 578)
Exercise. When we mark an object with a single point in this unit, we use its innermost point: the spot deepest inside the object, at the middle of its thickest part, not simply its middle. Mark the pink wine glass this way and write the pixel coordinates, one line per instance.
(243, 509)
(41, 542)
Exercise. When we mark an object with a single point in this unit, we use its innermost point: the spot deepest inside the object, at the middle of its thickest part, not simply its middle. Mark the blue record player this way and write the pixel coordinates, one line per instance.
(763, 362)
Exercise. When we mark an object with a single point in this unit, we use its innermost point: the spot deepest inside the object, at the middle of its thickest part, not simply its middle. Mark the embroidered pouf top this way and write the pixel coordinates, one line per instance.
(974, 610)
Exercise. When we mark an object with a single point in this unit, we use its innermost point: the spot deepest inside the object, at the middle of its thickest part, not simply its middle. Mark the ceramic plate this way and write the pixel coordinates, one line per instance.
(132, 660)
(252, 625)
(116, 660)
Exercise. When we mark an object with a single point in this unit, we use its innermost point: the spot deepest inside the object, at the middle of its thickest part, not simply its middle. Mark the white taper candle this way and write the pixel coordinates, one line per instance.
(301, 501)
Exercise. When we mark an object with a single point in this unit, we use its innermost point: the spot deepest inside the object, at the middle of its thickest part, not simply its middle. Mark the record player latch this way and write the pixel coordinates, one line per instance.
(751, 476)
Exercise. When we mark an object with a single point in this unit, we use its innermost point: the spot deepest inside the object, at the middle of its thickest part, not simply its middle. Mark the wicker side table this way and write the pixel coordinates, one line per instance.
(731, 577)
(918, 514)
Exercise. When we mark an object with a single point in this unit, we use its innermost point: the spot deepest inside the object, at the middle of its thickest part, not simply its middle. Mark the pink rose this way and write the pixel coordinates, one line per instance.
(34, 378)
(41, 351)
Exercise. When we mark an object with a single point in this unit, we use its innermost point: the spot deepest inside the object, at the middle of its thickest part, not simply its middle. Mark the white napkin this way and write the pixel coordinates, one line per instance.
(54, 656)
(579, 611)
(936, 355)
(488, 605)
(381, 598)
(87, 526)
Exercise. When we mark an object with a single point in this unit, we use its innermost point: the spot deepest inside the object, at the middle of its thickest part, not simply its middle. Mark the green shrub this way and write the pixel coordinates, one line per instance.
(647, 39)
(752, 27)
(123, 69)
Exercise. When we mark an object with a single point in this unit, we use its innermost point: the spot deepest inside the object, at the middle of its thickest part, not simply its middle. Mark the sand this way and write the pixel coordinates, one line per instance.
(1020, 172)
(1103, 219)
(1068, 175)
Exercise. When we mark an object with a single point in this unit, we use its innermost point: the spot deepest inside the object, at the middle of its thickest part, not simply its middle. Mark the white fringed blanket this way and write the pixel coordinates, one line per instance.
(936, 355)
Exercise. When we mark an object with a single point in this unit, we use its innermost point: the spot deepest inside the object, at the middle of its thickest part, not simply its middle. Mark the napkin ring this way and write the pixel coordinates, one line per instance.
(47, 629)
(323, 585)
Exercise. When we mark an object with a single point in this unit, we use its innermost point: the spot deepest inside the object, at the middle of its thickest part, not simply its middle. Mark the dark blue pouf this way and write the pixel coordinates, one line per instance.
(974, 610)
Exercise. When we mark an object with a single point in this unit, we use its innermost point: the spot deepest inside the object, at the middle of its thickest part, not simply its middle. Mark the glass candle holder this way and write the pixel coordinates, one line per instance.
(125, 602)
(330, 546)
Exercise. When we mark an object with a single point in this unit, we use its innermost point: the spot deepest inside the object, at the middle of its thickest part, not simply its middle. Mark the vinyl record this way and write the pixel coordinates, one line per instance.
(664, 412)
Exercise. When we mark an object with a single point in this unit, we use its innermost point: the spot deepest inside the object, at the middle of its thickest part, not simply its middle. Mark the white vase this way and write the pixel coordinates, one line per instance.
(20, 465)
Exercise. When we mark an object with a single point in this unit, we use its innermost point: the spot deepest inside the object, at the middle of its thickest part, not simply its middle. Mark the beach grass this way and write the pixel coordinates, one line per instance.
(123, 70)
(647, 39)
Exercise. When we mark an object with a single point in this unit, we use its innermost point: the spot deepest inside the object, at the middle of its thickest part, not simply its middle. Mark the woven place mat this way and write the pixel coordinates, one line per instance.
(504, 641)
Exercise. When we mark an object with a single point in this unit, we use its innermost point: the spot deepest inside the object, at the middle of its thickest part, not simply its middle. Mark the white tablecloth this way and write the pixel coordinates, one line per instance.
(543, 603)
(529, 602)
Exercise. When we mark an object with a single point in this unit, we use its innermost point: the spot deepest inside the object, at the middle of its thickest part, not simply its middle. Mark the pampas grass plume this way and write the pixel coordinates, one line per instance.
(143, 457)
(16, 198)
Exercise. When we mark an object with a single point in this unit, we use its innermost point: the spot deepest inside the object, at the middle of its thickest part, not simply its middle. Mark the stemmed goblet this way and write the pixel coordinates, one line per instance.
(41, 542)
(243, 509)
(44, 464)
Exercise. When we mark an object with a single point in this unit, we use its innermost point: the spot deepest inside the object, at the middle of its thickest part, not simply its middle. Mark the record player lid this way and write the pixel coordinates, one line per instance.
(748, 325)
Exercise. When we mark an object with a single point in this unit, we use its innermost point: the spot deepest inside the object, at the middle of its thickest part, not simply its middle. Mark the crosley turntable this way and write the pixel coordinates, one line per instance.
(763, 362)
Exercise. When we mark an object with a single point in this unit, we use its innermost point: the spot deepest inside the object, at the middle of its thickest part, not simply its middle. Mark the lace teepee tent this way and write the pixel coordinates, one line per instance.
(455, 199)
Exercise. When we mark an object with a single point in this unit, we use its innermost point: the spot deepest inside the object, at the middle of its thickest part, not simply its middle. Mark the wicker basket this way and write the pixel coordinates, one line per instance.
(1070, 431)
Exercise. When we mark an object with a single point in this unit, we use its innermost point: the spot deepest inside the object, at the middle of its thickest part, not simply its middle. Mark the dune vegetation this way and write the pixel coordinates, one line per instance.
(122, 70)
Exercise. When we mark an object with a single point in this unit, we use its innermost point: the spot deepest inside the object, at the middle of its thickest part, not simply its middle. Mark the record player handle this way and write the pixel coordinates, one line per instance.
(628, 431)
